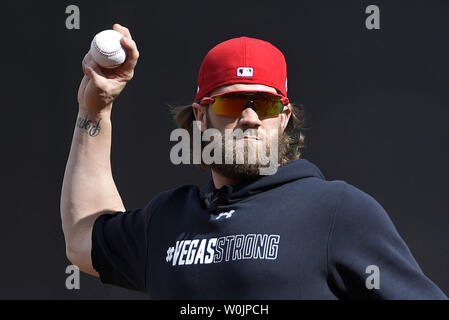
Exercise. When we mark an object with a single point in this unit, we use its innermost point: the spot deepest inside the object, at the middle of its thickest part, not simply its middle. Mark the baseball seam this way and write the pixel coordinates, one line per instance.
(108, 54)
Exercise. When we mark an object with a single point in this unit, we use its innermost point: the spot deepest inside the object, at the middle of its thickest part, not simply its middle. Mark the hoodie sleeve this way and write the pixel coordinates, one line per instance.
(367, 258)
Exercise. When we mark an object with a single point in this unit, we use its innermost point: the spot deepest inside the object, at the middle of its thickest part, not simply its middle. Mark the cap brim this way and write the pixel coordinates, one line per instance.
(248, 91)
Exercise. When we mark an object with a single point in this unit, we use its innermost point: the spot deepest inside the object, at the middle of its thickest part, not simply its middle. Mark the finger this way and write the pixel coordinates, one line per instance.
(87, 62)
(123, 30)
(91, 74)
(130, 46)
(90, 69)
(132, 54)
(90, 62)
(83, 64)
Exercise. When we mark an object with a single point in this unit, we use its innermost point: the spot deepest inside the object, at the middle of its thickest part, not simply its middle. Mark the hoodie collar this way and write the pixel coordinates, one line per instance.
(212, 197)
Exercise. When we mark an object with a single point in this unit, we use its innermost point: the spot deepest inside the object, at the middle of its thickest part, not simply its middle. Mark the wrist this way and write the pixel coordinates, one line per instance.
(92, 124)
(104, 112)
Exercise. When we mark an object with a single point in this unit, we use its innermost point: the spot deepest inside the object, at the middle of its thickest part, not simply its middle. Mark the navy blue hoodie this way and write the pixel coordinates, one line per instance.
(291, 235)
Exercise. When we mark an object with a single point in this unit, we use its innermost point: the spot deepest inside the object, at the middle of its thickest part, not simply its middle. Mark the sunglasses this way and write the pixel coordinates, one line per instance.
(232, 103)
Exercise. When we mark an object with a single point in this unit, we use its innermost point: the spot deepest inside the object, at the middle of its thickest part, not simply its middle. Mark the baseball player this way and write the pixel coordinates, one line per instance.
(289, 234)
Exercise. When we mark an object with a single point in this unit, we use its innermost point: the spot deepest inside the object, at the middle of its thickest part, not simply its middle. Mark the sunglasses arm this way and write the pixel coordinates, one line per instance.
(285, 101)
(207, 100)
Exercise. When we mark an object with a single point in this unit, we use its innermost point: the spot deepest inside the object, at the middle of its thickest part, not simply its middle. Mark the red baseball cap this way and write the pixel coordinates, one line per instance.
(242, 60)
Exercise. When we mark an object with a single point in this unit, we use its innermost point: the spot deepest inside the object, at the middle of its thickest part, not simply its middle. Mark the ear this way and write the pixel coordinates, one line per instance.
(285, 116)
(200, 113)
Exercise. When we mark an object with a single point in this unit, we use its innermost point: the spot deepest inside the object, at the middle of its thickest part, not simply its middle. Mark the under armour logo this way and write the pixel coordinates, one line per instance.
(170, 254)
(226, 215)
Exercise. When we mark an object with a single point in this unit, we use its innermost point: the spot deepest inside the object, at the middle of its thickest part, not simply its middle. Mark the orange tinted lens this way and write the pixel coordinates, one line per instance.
(232, 105)
(229, 106)
(267, 107)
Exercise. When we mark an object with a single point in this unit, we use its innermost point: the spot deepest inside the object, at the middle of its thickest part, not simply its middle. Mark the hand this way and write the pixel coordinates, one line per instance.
(100, 86)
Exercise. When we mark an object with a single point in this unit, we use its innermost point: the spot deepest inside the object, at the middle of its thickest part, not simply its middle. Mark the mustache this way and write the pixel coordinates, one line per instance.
(239, 133)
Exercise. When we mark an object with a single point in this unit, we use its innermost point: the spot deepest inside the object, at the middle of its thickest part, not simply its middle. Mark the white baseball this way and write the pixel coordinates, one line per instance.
(107, 50)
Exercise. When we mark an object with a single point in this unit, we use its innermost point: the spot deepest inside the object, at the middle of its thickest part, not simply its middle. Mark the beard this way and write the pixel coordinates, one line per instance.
(245, 150)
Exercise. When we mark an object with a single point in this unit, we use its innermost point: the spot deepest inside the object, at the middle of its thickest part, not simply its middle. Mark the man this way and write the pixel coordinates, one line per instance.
(286, 235)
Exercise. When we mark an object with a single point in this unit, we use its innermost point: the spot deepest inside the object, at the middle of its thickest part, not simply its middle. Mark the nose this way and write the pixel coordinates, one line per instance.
(249, 117)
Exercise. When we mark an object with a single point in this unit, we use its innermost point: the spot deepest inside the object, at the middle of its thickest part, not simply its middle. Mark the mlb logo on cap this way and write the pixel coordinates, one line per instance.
(244, 72)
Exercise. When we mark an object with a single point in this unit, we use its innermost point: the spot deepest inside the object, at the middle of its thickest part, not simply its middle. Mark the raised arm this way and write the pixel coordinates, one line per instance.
(88, 189)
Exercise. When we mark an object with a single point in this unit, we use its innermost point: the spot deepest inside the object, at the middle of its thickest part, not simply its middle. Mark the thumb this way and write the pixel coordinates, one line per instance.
(91, 74)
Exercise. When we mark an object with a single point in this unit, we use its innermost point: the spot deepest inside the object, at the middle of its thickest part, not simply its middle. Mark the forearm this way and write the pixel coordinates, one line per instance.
(88, 189)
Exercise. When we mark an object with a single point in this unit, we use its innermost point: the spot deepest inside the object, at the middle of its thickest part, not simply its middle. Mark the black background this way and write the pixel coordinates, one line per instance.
(376, 105)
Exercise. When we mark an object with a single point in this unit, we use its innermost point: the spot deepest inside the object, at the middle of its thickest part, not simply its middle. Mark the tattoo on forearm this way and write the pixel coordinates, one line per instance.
(86, 124)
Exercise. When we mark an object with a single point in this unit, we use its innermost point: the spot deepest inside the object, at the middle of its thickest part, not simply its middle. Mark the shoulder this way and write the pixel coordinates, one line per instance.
(327, 193)
(358, 211)
(359, 203)
(344, 201)
(180, 193)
